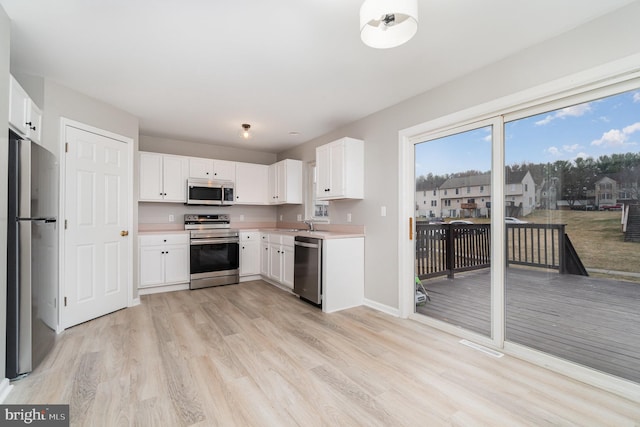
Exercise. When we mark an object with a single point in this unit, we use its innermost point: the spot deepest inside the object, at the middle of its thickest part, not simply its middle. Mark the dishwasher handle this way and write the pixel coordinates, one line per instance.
(307, 245)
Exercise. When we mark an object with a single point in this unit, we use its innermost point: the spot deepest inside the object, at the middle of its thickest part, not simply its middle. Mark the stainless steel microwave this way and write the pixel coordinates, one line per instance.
(210, 192)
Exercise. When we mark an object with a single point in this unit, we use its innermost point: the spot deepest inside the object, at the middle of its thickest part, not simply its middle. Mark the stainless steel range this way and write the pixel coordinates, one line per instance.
(215, 250)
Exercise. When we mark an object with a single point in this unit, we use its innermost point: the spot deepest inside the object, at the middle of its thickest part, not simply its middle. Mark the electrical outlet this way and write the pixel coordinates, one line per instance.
(299, 217)
(383, 211)
(349, 217)
(281, 217)
(241, 217)
(172, 218)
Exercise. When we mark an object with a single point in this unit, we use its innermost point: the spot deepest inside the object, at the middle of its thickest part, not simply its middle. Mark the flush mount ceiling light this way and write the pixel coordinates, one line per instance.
(245, 133)
(388, 23)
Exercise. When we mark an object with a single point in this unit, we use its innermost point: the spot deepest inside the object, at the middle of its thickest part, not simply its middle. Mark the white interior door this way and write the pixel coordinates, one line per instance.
(96, 247)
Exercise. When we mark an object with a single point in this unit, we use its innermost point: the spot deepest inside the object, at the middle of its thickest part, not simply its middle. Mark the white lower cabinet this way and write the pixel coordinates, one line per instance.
(164, 259)
(249, 253)
(287, 266)
(277, 259)
(342, 274)
(264, 259)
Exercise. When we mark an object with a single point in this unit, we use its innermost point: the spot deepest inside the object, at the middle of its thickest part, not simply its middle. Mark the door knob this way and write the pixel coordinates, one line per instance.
(124, 233)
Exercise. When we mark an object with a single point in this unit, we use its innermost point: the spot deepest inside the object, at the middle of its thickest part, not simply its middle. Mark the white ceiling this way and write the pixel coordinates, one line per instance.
(197, 69)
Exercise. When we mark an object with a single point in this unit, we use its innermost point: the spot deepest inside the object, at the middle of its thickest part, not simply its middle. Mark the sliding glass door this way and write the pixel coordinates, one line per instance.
(573, 276)
(527, 230)
(453, 214)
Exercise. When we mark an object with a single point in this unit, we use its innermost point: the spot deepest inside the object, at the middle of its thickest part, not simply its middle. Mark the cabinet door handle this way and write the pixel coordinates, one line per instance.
(29, 124)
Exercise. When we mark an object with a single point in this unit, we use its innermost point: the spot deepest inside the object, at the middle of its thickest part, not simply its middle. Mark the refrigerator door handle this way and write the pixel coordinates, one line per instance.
(45, 219)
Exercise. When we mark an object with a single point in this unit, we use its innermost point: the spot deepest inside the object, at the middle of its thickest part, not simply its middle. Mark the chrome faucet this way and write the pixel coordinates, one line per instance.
(310, 224)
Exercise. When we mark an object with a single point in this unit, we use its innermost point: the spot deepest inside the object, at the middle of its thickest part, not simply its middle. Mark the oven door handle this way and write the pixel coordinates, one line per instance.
(195, 242)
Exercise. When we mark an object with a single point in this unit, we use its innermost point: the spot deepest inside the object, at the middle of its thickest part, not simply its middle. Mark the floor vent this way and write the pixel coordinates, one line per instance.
(481, 348)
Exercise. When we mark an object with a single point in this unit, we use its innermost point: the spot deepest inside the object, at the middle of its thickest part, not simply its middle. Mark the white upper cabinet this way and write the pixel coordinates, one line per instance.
(24, 116)
(34, 122)
(200, 168)
(285, 182)
(340, 169)
(211, 169)
(252, 184)
(163, 178)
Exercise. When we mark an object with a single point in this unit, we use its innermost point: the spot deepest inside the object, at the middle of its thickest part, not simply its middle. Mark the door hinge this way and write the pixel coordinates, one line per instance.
(65, 301)
(65, 224)
(66, 147)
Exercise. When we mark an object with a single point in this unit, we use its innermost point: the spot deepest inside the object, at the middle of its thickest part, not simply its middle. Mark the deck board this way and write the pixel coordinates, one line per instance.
(590, 321)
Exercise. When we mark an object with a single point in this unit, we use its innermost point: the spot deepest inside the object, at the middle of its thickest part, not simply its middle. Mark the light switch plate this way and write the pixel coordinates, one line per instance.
(299, 217)
(172, 218)
(349, 217)
(383, 211)
(241, 217)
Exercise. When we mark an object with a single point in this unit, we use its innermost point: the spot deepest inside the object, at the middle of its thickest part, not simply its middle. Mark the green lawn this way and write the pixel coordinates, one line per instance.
(597, 237)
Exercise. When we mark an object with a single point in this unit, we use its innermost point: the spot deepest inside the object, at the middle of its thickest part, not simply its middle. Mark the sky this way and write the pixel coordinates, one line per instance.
(601, 127)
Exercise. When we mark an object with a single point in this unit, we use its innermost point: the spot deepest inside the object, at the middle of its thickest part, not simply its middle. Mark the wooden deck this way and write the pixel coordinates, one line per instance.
(593, 322)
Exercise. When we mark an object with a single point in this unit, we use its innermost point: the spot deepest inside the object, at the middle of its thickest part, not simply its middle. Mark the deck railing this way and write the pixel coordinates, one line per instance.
(536, 245)
(446, 249)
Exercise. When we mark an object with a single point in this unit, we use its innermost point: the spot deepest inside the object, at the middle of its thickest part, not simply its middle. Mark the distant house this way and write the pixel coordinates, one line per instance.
(606, 191)
(466, 197)
(427, 203)
(520, 194)
(548, 194)
(616, 189)
(470, 197)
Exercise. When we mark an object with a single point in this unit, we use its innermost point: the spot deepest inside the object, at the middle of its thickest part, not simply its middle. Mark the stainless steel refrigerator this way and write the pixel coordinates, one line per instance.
(32, 255)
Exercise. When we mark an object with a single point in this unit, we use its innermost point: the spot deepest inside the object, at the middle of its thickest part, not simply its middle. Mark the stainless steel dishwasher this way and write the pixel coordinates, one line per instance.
(307, 273)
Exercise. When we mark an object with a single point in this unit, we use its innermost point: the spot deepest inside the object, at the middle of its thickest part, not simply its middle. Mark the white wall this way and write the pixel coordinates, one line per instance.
(196, 149)
(604, 40)
(60, 101)
(4, 155)
(158, 213)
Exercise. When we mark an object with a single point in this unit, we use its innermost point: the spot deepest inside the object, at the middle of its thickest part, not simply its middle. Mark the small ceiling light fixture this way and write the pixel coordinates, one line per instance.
(388, 23)
(245, 131)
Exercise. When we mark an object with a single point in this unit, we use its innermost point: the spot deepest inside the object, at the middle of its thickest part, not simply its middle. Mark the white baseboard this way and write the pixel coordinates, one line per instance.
(250, 278)
(5, 388)
(134, 302)
(159, 289)
(393, 311)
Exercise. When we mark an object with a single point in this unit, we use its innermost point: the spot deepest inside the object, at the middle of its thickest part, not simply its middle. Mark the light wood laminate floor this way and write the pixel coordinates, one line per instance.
(253, 355)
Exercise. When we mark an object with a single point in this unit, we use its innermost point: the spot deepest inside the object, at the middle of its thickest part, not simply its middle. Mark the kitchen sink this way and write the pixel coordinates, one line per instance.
(302, 230)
